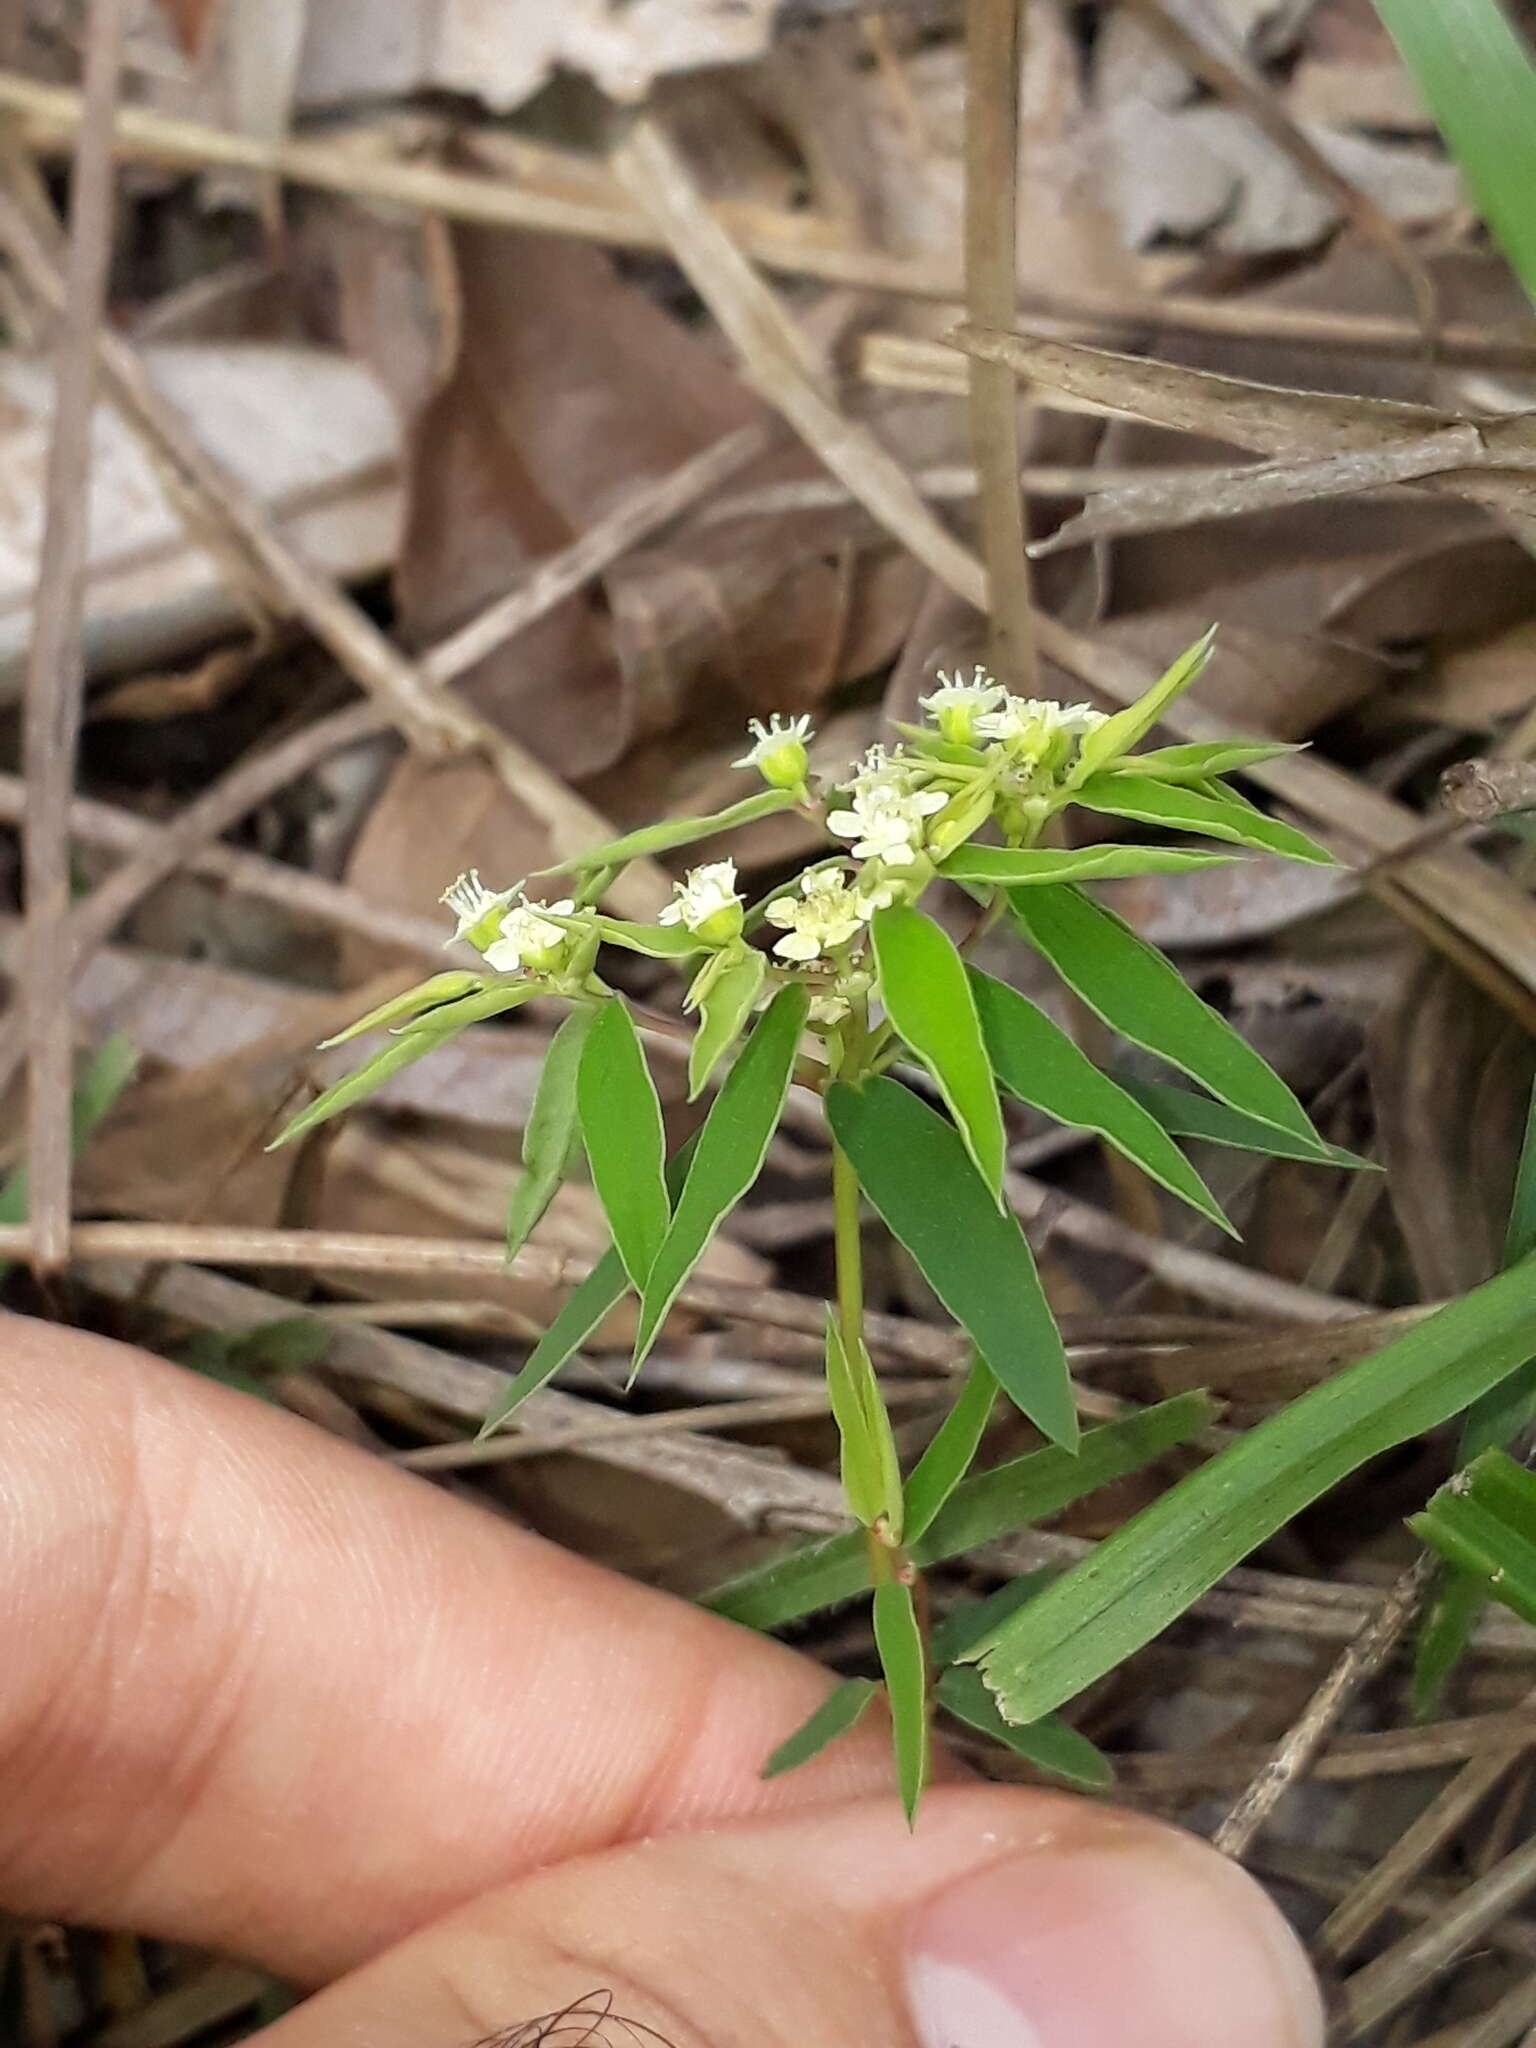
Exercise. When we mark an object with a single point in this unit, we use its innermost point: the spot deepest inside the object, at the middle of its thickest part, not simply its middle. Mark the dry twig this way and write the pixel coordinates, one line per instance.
(55, 669)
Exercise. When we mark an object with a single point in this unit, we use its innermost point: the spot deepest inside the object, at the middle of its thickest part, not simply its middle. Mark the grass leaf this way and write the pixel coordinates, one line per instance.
(1050, 1744)
(1144, 997)
(1478, 81)
(551, 1134)
(1036, 1061)
(915, 1170)
(1156, 1564)
(839, 1714)
(928, 998)
(730, 1153)
(986, 1506)
(622, 1131)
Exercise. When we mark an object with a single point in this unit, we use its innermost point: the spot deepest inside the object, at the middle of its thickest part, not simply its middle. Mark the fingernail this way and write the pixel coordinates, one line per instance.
(1136, 1936)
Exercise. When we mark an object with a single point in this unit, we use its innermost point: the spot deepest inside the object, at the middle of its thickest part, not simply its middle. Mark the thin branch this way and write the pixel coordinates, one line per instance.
(1302, 1743)
(56, 668)
(994, 56)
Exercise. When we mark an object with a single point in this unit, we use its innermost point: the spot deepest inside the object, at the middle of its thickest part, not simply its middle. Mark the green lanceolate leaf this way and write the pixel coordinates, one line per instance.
(1494, 1420)
(425, 1035)
(1186, 1115)
(1484, 1524)
(1160, 1561)
(1176, 808)
(1018, 866)
(839, 1714)
(982, 1508)
(551, 1136)
(730, 1153)
(723, 1013)
(597, 1296)
(1202, 759)
(1144, 997)
(915, 1170)
(656, 941)
(870, 1471)
(1479, 82)
(622, 1131)
(1050, 1744)
(948, 1457)
(1035, 1060)
(426, 995)
(928, 999)
(1117, 735)
(900, 1643)
(674, 832)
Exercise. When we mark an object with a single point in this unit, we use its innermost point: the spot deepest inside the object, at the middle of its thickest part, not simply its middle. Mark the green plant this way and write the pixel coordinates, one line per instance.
(834, 982)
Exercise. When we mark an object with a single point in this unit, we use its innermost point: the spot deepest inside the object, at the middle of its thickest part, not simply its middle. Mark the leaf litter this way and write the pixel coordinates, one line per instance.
(1234, 414)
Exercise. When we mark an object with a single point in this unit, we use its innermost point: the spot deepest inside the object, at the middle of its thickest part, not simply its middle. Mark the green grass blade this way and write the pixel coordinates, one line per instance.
(982, 1508)
(899, 1640)
(1020, 866)
(1484, 1524)
(1184, 1114)
(928, 998)
(622, 1130)
(1036, 1061)
(838, 1715)
(107, 1073)
(1050, 1744)
(948, 1457)
(723, 1014)
(551, 1136)
(1144, 997)
(1174, 808)
(1478, 81)
(731, 1149)
(914, 1168)
(1151, 1569)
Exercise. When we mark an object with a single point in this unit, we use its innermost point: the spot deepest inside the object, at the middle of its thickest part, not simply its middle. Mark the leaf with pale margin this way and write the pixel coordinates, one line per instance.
(1036, 1061)
(915, 1170)
(838, 1715)
(1018, 866)
(425, 1035)
(731, 1149)
(426, 995)
(723, 1013)
(1183, 1114)
(899, 1640)
(551, 1135)
(598, 1295)
(622, 1130)
(982, 1508)
(675, 832)
(870, 1471)
(928, 998)
(1174, 807)
(948, 1457)
(1144, 997)
(1164, 1558)
(1117, 735)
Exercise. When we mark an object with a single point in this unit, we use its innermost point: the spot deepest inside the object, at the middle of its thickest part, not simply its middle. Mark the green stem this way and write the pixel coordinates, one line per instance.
(848, 1247)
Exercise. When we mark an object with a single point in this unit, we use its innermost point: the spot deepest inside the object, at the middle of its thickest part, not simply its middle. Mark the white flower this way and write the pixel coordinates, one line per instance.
(830, 1009)
(477, 909)
(707, 902)
(827, 914)
(1032, 723)
(529, 942)
(885, 822)
(778, 750)
(955, 707)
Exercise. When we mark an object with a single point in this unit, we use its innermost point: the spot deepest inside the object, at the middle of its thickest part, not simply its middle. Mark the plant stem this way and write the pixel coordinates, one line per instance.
(848, 1248)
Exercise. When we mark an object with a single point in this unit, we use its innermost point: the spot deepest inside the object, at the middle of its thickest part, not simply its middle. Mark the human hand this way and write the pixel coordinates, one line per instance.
(266, 1694)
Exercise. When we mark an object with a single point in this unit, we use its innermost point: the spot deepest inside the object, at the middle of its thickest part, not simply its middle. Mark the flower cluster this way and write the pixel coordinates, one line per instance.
(512, 935)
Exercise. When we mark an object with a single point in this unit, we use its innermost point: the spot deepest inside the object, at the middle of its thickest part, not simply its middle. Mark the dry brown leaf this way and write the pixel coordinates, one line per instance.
(1451, 1076)
(191, 20)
